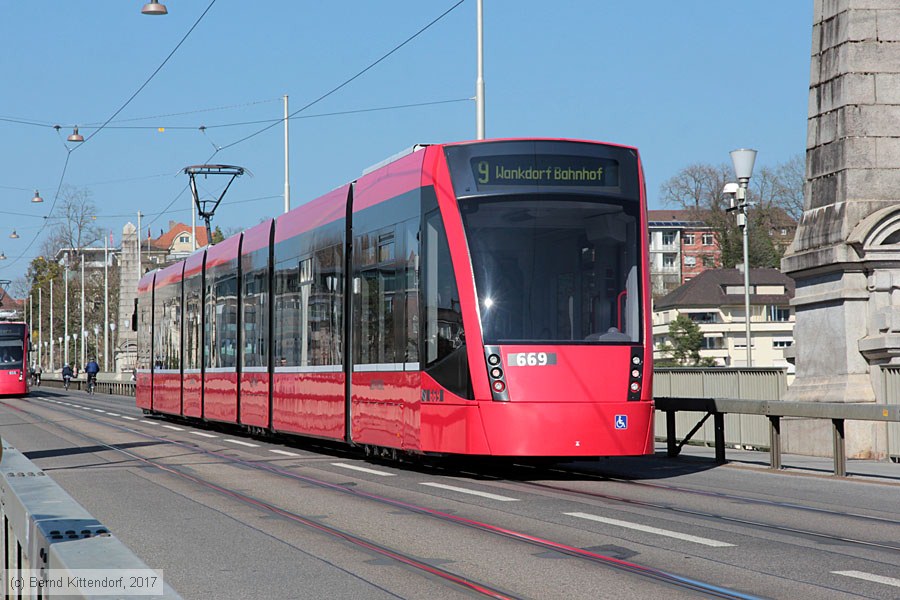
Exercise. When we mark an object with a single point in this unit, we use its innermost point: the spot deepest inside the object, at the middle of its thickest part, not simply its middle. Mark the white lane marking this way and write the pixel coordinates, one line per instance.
(284, 452)
(85, 408)
(112, 414)
(129, 418)
(239, 442)
(672, 534)
(362, 469)
(473, 492)
(202, 434)
(149, 422)
(99, 411)
(173, 428)
(870, 577)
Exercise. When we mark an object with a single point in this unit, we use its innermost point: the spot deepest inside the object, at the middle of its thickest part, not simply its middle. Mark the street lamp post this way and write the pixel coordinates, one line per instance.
(96, 352)
(83, 327)
(743, 160)
(66, 313)
(112, 339)
(51, 325)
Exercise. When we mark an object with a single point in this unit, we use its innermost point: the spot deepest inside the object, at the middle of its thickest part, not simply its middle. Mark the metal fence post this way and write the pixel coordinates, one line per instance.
(774, 442)
(840, 453)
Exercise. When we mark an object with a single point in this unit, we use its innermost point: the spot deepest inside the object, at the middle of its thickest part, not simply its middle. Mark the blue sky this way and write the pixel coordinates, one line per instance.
(685, 82)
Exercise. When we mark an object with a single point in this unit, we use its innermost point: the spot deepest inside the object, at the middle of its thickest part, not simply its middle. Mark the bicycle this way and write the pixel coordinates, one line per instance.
(66, 380)
(92, 383)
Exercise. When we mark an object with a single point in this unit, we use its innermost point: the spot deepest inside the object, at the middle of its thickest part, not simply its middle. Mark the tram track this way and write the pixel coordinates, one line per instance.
(484, 589)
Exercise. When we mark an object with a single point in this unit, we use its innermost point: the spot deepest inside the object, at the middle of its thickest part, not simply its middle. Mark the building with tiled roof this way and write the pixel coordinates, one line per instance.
(682, 246)
(715, 301)
(177, 242)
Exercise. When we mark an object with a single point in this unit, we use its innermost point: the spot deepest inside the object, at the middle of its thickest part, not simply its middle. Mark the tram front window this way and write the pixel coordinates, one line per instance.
(555, 268)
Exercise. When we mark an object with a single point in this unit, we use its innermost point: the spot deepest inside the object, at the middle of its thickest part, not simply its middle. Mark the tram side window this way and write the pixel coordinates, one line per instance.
(192, 307)
(444, 348)
(226, 322)
(287, 314)
(324, 307)
(379, 299)
(144, 331)
(209, 323)
(255, 317)
(173, 330)
(410, 263)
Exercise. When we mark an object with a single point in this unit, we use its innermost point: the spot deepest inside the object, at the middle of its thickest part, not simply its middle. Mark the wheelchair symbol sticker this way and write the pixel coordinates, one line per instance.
(621, 421)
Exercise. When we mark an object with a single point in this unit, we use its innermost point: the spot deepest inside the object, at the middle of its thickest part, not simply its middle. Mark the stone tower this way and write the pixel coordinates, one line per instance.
(129, 274)
(845, 258)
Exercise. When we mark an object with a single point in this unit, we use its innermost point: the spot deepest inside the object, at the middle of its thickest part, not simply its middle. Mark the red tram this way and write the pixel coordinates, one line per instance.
(14, 346)
(481, 298)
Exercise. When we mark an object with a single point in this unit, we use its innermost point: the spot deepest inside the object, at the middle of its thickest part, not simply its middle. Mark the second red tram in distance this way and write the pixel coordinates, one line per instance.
(14, 346)
(477, 298)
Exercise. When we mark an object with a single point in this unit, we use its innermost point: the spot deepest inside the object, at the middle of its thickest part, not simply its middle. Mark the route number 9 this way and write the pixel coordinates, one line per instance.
(484, 174)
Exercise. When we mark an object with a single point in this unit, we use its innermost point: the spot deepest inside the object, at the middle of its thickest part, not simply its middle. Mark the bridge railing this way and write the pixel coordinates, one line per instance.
(744, 428)
(48, 538)
(773, 411)
(105, 385)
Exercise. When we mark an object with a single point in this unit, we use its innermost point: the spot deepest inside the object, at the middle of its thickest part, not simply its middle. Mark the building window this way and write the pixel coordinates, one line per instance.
(669, 260)
(779, 314)
(689, 239)
(709, 261)
(184, 239)
(690, 261)
(712, 343)
(668, 238)
(782, 343)
(704, 317)
(708, 239)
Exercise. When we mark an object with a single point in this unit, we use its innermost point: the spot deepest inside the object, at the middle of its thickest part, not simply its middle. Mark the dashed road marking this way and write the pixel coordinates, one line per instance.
(362, 469)
(472, 492)
(240, 443)
(202, 434)
(870, 577)
(129, 418)
(173, 428)
(284, 452)
(647, 529)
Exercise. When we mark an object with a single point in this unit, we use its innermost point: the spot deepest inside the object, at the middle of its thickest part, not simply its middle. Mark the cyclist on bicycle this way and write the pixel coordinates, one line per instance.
(67, 375)
(92, 368)
(36, 372)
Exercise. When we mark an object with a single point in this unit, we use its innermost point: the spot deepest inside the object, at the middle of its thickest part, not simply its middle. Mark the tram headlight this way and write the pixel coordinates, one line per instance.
(636, 373)
(496, 373)
(499, 386)
(635, 360)
(494, 359)
(635, 387)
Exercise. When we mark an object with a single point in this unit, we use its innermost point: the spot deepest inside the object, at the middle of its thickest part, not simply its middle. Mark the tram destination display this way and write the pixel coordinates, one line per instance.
(545, 170)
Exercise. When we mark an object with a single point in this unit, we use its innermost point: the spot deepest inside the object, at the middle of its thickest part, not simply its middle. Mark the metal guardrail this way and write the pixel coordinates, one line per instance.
(46, 532)
(774, 410)
(112, 387)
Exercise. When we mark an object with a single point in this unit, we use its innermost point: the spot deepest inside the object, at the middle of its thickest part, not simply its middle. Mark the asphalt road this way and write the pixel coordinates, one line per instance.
(223, 515)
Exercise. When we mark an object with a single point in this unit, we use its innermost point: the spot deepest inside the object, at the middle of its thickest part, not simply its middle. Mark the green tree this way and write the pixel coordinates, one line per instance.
(686, 340)
(217, 235)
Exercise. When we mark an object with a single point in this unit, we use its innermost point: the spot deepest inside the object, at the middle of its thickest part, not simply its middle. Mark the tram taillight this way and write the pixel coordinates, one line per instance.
(498, 382)
(634, 381)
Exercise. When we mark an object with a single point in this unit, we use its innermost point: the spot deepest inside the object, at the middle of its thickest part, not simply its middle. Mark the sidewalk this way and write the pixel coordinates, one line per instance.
(880, 470)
